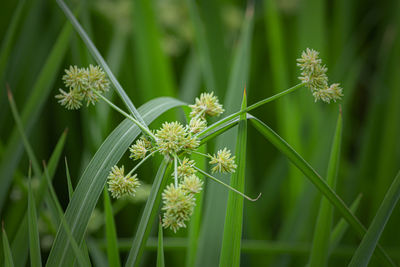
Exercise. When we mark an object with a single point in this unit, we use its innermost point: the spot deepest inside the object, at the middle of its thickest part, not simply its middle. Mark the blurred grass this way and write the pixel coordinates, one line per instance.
(152, 47)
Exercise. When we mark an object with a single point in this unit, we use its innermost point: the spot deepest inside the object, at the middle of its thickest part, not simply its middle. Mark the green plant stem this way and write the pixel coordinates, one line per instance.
(249, 108)
(228, 186)
(142, 161)
(142, 127)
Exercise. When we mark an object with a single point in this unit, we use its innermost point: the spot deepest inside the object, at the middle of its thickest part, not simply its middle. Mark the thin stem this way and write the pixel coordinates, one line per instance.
(254, 106)
(142, 127)
(201, 154)
(176, 171)
(228, 186)
(141, 162)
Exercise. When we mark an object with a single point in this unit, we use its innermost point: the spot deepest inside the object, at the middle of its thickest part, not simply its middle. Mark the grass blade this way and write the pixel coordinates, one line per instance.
(149, 54)
(70, 187)
(99, 59)
(160, 248)
(148, 216)
(231, 242)
(8, 259)
(316, 179)
(24, 138)
(32, 109)
(371, 238)
(209, 248)
(320, 245)
(19, 245)
(79, 254)
(111, 233)
(34, 245)
(341, 227)
(91, 183)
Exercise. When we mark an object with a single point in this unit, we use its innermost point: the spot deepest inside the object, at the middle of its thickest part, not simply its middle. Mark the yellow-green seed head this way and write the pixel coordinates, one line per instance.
(186, 168)
(197, 125)
(138, 150)
(178, 207)
(173, 138)
(206, 104)
(224, 162)
(71, 100)
(192, 184)
(120, 185)
(75, 78)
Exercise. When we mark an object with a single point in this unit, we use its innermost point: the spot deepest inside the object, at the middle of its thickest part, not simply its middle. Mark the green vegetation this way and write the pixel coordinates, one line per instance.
(195, 137)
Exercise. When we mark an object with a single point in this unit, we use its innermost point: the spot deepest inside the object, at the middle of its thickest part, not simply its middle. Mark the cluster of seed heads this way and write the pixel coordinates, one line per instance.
(314, 76)
(83, 84)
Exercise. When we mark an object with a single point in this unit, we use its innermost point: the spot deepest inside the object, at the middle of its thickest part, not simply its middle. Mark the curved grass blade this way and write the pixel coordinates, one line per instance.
(8, 259)
(34, 245)
(21, 131)
(32, 109)
(91, 184)
(160, 248)
(367, 246)
(231, 242)
(148, 216)
(19, 245)
(320, 245)
(111, 233)
(70, 187)
(315, 178)
(80, 255)
(341, 227)
(99, 59)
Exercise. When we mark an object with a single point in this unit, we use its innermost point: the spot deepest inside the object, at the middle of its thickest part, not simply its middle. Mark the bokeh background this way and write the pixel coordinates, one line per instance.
(181, 48)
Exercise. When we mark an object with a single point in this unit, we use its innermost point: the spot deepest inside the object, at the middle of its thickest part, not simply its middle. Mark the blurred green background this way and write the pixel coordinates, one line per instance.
(181, 48)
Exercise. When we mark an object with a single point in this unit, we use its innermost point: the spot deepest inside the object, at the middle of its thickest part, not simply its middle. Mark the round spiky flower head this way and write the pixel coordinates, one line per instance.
(197, 125)
(206, 104)
(186, 168)
(75, 78)
(224, 162)
(140, 148)
(172, 138)
(314, 76)
(178, 207)
(97, 79)
(192, 184)
(120, 185)
(71, 100)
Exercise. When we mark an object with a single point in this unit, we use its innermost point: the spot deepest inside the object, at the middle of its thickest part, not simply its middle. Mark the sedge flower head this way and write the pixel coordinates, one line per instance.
(192, 184)
(173, 138)
(197, 125)
(178, 207)
(75, 78)
(96, 79)
(71, 100)
(140, 148)
(186, 168)
(206, 104)
(314, 76)
(224, 162)
(120, 184)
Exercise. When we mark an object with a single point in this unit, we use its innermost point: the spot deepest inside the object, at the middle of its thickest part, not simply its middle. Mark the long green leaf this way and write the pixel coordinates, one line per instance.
(320, 247)
(160, 249)
(99, 59)
(341, 227)
(211, 234)
(316, 179)
(367, 246)
(8, 259)
(34, 244)
(94, 178)
(111, 233)
(19, 245)
(83, 259)
(148, 216)
(231, 242)
(32, 109)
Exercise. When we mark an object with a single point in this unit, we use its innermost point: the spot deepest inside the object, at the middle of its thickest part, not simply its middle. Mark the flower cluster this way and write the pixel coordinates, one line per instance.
(120, 184)
(314, 76)
(83, 84)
